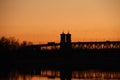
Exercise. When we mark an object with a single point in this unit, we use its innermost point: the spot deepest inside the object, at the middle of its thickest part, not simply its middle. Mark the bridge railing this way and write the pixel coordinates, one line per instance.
(80, 45)
(96, 45)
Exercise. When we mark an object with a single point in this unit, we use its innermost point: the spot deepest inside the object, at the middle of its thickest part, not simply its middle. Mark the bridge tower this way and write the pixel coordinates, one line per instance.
(65, 41)
(62, 40)
(68, 37)
(68, 40)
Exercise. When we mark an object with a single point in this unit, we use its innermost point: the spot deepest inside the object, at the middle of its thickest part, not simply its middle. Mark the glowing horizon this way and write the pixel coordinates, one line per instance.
(42, 21)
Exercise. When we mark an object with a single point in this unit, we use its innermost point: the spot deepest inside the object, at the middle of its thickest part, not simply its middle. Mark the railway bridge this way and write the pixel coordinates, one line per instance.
(65, 43)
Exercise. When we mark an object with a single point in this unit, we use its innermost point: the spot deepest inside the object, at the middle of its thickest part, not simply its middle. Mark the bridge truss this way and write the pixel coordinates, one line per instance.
(81, 45)
(97, 45)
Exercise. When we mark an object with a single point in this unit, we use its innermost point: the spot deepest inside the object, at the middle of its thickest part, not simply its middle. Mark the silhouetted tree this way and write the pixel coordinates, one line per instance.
(14, 44)
(24, 43)
(8, 44)
(4, 44)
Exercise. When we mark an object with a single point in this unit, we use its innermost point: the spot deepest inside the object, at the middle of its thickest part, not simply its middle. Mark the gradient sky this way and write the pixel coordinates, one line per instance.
(40, 21)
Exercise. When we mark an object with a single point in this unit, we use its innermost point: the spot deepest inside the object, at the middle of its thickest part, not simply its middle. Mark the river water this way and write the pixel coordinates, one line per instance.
(56, 75)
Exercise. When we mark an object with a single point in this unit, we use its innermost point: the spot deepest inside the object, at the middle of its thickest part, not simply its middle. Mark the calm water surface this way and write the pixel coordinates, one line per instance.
(55, 75)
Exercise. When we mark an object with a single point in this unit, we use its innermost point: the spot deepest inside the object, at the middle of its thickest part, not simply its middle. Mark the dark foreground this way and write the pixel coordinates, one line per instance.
(27, 61)
(105, 59)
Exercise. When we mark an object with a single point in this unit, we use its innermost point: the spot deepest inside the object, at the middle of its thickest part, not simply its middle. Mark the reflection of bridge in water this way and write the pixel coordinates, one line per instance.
(82, 74)
(76, 75)
(65, 43)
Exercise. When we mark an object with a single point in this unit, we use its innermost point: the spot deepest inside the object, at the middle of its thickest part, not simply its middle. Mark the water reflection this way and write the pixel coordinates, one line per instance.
(42, 75)
(56, 75)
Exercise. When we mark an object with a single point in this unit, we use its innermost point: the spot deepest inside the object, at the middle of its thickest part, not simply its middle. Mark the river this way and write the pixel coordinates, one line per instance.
(48, 74)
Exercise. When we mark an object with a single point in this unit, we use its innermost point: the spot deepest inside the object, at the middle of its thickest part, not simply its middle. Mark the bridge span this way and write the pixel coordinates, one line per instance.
(79, 45)
(66, 43)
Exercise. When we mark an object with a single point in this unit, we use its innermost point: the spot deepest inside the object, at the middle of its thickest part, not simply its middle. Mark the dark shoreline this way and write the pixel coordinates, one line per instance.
(106, 60)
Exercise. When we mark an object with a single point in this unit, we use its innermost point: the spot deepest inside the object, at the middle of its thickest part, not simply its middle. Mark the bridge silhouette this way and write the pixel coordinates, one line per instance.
(65, 43)
(68, 53)
(67, 56)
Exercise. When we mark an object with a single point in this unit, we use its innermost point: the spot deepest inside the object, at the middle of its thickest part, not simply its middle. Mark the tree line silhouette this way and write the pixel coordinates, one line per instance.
(13, 53)
(11, 44)
(10, 50)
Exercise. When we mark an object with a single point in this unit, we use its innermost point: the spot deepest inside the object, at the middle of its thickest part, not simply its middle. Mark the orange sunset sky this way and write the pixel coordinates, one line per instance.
(41, 21)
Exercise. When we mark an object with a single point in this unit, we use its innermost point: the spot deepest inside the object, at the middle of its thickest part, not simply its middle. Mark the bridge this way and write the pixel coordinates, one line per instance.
(80, 45)
(65, 43)
(68, 55)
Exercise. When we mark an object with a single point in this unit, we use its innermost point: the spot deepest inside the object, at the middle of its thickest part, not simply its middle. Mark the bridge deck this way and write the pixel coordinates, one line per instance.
(81, 45)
